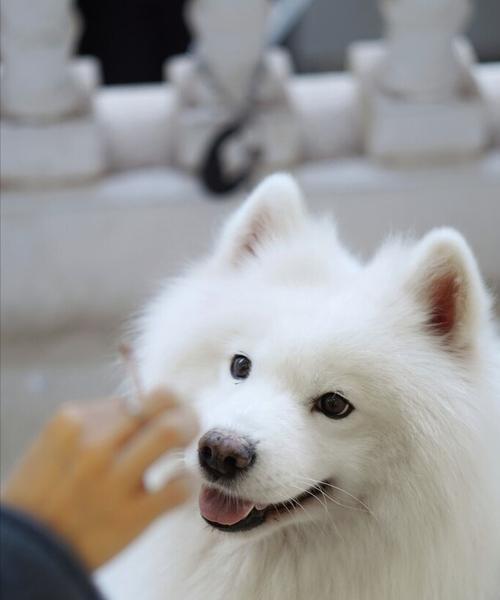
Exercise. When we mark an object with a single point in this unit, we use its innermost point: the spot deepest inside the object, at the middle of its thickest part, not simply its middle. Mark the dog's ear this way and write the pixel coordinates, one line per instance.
(273, 211)
(445, 279)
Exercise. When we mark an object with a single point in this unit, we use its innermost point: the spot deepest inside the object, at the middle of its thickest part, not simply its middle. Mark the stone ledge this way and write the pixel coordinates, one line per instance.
(401, 131)
(62, 151)
(92, 254)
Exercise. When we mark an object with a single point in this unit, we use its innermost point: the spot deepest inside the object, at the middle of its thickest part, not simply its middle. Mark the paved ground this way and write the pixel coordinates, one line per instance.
(39, 374)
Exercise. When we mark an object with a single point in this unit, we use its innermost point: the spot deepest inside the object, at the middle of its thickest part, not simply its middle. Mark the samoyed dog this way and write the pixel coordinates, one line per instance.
(350, 433)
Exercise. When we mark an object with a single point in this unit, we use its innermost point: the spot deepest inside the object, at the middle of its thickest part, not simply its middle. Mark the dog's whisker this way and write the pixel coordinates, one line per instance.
(317, 484)
(335, 487)
(320, 487)
(325, 507)
(295, 502)
(332, 521)
(335, 501)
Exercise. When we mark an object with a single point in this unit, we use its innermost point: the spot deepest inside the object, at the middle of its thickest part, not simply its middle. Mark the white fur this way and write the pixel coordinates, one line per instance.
(418, 459)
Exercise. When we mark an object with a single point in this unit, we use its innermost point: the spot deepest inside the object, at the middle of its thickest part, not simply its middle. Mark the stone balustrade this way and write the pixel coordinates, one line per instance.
(419, 101)
(420, 98)
(48, 130)
(88, 170)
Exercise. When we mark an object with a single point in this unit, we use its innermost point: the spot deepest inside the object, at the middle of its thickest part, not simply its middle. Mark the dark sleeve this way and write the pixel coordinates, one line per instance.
(35, 565)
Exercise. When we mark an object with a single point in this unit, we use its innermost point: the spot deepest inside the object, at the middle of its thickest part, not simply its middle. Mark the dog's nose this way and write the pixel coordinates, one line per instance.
(224, 454)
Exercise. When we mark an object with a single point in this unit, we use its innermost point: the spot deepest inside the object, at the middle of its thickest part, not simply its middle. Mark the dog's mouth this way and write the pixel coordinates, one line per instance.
(228, 513)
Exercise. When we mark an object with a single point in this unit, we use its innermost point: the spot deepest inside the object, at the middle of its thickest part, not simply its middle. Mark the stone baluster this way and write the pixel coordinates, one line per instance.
(231, 83)
(421, 102)
(49, 134)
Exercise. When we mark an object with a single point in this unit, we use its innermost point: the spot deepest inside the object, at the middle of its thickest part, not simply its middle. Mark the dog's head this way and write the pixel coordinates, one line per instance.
(318, 380)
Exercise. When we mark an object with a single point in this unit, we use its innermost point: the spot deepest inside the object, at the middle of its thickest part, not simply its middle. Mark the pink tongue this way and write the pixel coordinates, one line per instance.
(219, 508)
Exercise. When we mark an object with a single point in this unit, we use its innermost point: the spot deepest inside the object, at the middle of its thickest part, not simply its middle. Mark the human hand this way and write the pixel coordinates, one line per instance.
(82, 477)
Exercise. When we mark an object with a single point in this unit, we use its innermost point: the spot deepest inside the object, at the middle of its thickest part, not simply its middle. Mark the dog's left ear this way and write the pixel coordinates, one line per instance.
(445, 279)
(273, 211)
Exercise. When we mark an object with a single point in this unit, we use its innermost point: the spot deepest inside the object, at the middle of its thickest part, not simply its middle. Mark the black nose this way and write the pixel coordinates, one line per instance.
(224, 454)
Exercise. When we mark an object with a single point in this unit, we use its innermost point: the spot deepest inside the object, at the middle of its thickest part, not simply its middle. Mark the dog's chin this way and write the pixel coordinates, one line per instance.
(235, 515)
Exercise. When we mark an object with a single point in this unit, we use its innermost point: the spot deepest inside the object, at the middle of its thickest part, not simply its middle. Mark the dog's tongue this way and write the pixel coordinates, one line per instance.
(224, 510)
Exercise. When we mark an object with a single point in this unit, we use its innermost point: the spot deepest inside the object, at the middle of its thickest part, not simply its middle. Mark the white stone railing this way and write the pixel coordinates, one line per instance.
(92, 172)
(420, 100)
(48, 129)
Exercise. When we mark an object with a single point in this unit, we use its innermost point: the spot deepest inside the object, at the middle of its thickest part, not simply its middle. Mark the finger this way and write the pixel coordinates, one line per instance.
(153, 404)
(174, 429)
(156, 401)
(98, 419)
(58, 442)
(108, 422)
(172, 494)
(64, 425)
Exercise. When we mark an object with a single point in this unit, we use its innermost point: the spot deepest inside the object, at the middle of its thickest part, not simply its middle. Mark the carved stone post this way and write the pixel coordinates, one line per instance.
(47, 128)
(421, 102)
(233, 87)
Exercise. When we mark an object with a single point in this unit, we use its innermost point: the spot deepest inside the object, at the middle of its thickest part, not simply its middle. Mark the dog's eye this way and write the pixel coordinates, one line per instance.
(240, 366)
(333, 405)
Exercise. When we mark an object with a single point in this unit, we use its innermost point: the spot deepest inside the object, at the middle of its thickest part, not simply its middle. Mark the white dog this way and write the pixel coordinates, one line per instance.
(350, 428)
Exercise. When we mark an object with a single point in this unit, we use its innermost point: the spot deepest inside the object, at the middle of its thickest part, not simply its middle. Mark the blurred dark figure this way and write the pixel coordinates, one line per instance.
(132, 38)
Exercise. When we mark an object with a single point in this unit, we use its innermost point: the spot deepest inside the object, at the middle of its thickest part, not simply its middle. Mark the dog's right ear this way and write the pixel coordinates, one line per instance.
(273, 211)
(445, 280)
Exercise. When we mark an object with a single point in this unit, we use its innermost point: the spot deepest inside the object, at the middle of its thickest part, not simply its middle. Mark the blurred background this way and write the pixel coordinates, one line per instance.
(117, 167)
(132, 39)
